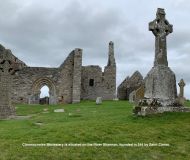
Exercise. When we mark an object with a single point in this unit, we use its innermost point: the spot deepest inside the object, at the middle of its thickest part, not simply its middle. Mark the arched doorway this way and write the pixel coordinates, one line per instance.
(36, 91)
(44, 95)
(44, 91)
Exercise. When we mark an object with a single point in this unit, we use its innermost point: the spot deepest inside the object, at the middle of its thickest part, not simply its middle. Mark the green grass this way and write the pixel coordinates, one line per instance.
(112, 123)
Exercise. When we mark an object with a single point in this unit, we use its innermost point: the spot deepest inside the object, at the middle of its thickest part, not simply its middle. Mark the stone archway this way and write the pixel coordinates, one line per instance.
(37, 85)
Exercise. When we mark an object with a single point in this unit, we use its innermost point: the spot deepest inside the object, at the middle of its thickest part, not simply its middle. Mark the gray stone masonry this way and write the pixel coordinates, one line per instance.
(148, 107)
(160, 83)
(8, 67)
(144, 111)
(129, 85)
(77, 76)
(96, 83)
(69, 83)
(111, 58)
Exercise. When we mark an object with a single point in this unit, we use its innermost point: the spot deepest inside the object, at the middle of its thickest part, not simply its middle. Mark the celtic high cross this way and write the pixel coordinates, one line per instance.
(160, 27)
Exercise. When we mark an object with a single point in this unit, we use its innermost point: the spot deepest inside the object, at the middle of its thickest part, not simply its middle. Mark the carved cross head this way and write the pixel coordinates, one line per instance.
(160, 26)
(181, 83)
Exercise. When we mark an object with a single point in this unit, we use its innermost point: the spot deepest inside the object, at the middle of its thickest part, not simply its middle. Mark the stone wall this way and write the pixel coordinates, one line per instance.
(66, 79)
(137, 95)
(8, 66)
(129, 85)
(103, 83)
(77, 76)
(29, 80)
(109, 83)
(98, 83)
(68, 83)
(93, 75)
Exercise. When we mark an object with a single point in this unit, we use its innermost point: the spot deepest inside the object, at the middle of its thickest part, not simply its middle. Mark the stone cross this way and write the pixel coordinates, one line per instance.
(160, 27)
(181, 86)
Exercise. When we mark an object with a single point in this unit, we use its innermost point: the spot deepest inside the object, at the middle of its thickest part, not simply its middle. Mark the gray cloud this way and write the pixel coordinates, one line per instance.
(42, 33)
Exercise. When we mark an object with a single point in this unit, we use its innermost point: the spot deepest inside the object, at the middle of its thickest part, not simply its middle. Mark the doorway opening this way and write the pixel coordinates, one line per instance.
(43, 92)
(44, 95)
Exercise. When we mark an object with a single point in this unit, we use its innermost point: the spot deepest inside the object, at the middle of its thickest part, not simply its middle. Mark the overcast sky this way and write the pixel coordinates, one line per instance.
(44, 32)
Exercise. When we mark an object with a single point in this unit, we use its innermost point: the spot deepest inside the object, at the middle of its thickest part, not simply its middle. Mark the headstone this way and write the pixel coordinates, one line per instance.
(115, 99)
(38, 123)
(99, 100)
(160, 82)
(59, 110)
(45, 109)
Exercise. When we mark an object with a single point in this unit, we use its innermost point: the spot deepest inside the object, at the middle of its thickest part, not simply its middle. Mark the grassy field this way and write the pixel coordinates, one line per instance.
(86, 123)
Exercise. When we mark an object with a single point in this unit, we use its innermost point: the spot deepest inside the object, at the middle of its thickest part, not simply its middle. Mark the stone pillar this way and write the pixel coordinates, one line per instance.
(77, 76)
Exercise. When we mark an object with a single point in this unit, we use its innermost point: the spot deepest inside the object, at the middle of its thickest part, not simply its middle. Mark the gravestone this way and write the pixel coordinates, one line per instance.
(7, 69)
(59, 110)
(99, 100)
(160, 82)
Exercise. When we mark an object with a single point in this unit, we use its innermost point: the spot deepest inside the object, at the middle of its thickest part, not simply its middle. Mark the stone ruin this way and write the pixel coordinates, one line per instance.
(72, 82)
(69, 83)
(137, 95)
(160, 83)
(129, 85)
(8, 66)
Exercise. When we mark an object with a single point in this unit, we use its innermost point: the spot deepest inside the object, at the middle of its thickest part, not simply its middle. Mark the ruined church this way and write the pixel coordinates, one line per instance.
(69, 83)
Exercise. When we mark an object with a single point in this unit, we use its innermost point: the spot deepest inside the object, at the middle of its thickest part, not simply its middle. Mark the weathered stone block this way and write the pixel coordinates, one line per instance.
(160, 83)
(99, 100)
(59, 110)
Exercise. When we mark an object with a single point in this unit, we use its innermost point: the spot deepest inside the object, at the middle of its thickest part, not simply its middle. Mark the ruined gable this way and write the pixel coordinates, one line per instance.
(69, 83)
(129, 85)
(98, 83)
